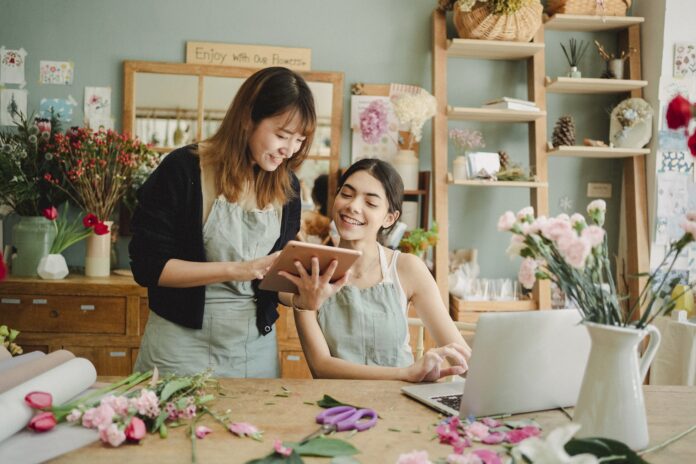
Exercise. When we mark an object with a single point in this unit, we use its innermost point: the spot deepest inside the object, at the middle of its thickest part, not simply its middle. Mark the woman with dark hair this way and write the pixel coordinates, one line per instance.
(207, 226)
(360, 330)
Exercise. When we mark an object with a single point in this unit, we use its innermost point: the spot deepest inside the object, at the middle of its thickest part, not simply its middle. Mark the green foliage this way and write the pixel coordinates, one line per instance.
(609, 450)
(418, 240)
(575, 51)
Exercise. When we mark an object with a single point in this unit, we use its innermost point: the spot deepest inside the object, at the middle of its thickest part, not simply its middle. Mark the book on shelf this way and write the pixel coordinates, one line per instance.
(512, 106)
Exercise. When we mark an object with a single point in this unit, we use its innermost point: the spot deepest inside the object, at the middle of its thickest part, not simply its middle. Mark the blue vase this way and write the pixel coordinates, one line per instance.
(32, 236)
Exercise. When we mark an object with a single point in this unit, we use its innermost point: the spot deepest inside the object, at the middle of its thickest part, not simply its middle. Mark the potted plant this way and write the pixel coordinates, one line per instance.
(574, 53)
(572, 253)
(417, 241)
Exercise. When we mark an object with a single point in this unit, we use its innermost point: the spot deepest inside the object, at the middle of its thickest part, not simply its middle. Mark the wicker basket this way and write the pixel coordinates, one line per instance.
(589, 7)
(480, 23)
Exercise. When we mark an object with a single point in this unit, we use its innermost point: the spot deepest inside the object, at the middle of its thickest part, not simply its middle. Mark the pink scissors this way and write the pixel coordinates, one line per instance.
(342, 418)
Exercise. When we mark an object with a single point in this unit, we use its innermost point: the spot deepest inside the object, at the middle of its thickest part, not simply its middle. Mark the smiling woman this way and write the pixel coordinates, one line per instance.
(208, 223)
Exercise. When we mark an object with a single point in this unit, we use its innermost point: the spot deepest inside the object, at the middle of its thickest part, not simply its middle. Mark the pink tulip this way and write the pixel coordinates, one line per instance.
(50, 213)
(135, 430)
(39, 400)
(42, 422)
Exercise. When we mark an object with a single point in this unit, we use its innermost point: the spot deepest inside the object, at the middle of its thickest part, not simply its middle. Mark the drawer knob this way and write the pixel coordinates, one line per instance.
(15, 301)
(54, 313)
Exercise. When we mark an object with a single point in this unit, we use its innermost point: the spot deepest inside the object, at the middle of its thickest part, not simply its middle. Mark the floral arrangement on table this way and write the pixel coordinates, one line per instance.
(7, 338)
(680, 112)
(413, 110)
(69, 233)
(417, 241)
(25, 158)
(631, 112)
(573, 254)
(97, 167)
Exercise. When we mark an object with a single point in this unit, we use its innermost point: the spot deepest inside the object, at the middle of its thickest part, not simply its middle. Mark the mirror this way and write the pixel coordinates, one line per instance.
(173, 104)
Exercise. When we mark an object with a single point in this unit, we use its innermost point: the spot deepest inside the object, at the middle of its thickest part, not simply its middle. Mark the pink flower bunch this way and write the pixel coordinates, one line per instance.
(373, 121)
(466, 139)
(184, 408)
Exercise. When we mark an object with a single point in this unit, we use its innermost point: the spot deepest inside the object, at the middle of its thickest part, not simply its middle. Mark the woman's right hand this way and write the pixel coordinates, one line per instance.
(429, 367)
(315, 288)
(254, 269)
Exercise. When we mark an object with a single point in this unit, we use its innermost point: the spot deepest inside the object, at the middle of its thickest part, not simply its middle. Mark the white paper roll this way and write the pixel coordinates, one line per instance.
(63, 382)
(7, 364)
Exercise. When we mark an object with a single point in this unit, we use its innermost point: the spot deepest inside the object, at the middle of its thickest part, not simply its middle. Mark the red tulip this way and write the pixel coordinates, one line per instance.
(678, 113)
(50, 213)
(39, 400)
(42, 422)
(101, 229)
(135, 430)
(692, 144)
(90, 220)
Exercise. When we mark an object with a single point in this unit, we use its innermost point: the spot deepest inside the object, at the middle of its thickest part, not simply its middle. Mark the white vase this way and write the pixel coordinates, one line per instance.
(611, 404)
(98, 254)
(406, 163)
(52, 267)
(459, 169)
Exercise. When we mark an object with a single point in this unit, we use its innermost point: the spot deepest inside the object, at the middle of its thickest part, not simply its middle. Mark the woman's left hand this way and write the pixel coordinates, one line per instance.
(315, 288)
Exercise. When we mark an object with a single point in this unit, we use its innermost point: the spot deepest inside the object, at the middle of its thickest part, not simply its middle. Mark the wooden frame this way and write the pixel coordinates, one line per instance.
(201, 71)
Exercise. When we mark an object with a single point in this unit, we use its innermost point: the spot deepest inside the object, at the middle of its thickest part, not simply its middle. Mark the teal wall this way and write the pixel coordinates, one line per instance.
(373, 41)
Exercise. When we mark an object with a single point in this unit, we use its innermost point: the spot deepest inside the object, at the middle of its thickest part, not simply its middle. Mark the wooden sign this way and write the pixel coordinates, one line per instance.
(248, 56)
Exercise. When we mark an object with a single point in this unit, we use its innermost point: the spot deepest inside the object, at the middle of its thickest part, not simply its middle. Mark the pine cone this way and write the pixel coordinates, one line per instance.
(564, 132)
(504, 160)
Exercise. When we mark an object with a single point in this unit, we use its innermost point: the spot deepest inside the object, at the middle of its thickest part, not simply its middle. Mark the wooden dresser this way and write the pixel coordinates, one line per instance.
(101, 319)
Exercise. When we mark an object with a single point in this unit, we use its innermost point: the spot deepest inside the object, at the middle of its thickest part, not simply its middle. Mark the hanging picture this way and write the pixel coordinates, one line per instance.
(685, 60)
(56, 72)
(63, 108)
(12, 66)
(97, 102)
(375, 128)
(12, 102)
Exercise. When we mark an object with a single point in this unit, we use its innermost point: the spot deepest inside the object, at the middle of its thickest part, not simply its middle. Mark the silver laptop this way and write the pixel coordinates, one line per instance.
(521, 362)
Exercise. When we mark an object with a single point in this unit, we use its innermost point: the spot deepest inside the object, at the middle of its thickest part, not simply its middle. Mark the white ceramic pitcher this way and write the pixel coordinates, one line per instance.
(611, 403)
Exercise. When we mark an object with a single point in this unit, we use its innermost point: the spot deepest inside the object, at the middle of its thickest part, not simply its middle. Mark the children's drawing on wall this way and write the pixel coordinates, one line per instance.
(12, 66)
(56, 72)
(61, 107)
(12, 103)
(685, 60)
(98, 107)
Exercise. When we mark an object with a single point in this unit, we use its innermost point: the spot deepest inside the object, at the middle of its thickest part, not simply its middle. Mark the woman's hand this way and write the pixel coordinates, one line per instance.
(315, 288)
(252, 270)
(429, 367)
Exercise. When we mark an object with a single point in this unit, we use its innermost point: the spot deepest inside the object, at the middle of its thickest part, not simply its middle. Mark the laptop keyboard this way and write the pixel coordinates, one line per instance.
(452, 401)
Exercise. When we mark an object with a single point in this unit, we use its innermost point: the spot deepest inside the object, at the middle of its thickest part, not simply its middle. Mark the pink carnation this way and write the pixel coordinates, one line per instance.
(525, 213)
(516, 246)
(118, 403)
(576, 252)
(280, 449)
(538, 225)
(527, 276)
(490, 422)
(506, 221)
(494, 438)
(112, 435)
(477, 430)
(414, 457)
(74, 415)
(689, 228)
(147, 404)
(555, 228)
(98, 417)
(488, 456)
(594, 235)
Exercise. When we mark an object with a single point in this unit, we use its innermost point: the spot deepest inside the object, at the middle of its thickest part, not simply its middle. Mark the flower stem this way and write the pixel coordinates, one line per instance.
(668, 442)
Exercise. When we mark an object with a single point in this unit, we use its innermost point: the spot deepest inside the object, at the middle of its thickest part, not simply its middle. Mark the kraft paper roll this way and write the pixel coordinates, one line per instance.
(4, 354)
(28, 370)
(64, 382)
(8, 364)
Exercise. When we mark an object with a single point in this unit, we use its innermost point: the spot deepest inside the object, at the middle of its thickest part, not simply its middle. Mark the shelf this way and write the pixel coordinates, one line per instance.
(457, 304)
(494, 183)
(582, 23)
(492, 49)
(591, 85)
(597, 152)
(492, 114)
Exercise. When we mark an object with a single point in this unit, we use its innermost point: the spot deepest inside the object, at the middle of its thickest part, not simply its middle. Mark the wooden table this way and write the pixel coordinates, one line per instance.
(670, 411)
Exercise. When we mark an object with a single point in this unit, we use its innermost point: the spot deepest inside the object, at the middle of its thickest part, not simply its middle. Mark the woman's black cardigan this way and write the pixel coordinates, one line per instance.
(168, 224)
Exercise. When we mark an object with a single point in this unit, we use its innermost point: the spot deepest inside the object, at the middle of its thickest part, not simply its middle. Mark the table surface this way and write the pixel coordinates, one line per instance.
(405, 424)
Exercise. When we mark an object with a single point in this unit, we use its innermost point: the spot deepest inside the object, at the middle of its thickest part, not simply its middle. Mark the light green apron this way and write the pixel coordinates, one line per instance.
(229, 342)
(369, 326)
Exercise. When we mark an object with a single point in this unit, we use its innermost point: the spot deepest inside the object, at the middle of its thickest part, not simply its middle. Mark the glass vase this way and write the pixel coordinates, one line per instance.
(32, 236)
(98, 254)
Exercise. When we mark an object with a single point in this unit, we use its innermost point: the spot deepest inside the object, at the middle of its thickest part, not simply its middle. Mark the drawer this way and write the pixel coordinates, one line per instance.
(107, 360)
(64, 314)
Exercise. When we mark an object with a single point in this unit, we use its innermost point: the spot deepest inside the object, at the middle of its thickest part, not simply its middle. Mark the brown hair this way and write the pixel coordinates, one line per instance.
(388, 177)
(265, 94)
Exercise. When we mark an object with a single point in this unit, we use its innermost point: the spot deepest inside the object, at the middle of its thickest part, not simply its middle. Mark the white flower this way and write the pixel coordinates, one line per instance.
(525, 212)
(551, 450)
(597, 205)
(577, 218)
(527, 274)
(414, 110)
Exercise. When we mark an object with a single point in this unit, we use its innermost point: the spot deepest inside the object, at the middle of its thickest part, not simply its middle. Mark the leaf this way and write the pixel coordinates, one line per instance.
(603, 447)
(160, 421)
(275, 458)
(172, 387)
(327, 447)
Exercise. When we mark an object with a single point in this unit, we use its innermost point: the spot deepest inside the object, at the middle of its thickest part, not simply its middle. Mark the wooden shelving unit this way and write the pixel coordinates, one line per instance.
(597, 152)
(592, 85)
(533, 54)
(492, 49)
(459, 113)
(582, 23)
